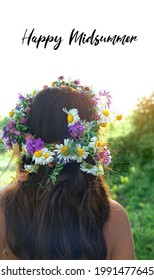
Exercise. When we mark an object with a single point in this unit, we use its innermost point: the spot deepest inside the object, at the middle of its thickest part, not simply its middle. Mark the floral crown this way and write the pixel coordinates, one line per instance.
(84, 136)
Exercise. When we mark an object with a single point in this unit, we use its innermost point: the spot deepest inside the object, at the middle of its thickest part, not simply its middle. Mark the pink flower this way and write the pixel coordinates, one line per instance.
(77, 82)
(96, 116)
(86, 88)
(61, 78)
(27, 135)
(93, 101)
(105, 156)
(23, 120)
(17, 132)
(27, 110)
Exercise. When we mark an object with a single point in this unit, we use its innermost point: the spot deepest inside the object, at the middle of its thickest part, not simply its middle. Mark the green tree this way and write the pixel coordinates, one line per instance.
(132, 179)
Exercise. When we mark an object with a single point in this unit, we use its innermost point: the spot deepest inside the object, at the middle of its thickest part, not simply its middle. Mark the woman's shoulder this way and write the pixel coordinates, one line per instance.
(4, 189)
(2, 226)
(5, 252)
(117, 211)
(2, 194)
(118, 233)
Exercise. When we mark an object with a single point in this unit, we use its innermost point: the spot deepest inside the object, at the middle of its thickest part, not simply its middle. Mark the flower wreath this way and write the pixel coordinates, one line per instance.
(84, 140)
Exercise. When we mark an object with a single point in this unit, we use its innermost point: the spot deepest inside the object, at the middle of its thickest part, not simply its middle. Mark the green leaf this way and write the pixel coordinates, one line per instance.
(58, 168)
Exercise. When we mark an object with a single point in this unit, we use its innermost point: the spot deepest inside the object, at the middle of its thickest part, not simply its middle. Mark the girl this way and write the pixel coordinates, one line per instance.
(60, 208)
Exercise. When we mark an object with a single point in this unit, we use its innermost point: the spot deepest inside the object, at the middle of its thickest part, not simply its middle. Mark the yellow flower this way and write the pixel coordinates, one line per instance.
(97, 143)
(11, 114)
(70, 118)
(1, 140)
(103, 124)
(52, 84)
(34, 91)
(106, 113)
(80, 152)
(65, 150)
(38, 153)
(46, 155)
(27, 170)
(23, 150)
(119, 117)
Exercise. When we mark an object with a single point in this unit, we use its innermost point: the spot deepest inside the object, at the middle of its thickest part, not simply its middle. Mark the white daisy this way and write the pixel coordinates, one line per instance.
(29, 168)
(100, 170)
(94, 143)
(43, 156)
(37, 157)
(47, 156)
(94, 170)
(23, 150)
(63, 151)
(80, 153)
(72, 116)
(105, 116)
(1, 135)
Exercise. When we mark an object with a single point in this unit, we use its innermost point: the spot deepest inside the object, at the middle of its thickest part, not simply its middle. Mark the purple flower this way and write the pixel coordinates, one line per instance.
(61, 78)
(105, 156)
(39, 144)
(108, 97)
(9, 139)
(83, 94)
(11, 127)
(8, 143)
(34, 145)
(21, 97)
(30, 145)
(13, 141)
(17, 107)
(4, 132)
(76, 130)
(23, 120)
(77, 82)
(11, 124)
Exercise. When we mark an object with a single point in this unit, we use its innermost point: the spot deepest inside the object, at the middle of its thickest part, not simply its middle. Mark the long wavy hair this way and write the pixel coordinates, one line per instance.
(65, 220)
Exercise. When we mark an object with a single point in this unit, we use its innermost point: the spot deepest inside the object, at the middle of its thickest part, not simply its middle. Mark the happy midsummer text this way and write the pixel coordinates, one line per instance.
(75, 37)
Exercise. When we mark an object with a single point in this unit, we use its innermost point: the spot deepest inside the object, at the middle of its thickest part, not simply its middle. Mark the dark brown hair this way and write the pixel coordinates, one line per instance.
(62, 221)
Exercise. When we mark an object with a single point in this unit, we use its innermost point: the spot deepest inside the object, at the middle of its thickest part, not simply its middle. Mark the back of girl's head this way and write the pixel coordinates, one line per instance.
(65, 220)
(47, 119)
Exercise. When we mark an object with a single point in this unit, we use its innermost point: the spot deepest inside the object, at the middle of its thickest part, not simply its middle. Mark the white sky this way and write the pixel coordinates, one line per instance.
(126, 71)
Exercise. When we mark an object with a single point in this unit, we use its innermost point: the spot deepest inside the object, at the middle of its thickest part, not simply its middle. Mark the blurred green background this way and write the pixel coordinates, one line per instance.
(131, 178)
